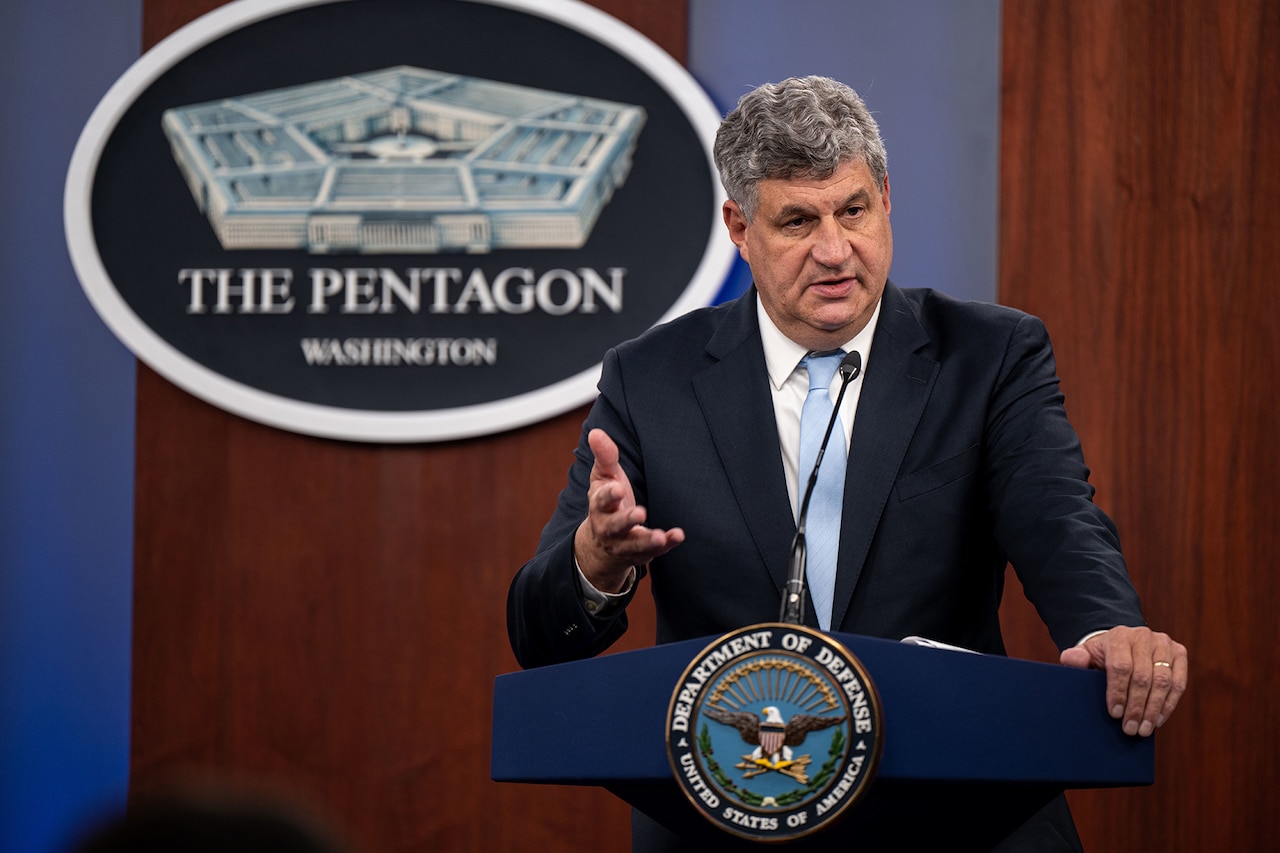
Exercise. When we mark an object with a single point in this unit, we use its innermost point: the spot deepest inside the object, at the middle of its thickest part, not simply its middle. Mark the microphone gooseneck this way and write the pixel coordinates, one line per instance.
(794, 593)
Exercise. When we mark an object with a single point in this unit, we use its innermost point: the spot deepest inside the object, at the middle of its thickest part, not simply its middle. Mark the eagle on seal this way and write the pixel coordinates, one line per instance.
(773, 736)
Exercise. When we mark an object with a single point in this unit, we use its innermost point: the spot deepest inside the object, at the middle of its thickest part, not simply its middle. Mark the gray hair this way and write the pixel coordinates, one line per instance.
(800, 127)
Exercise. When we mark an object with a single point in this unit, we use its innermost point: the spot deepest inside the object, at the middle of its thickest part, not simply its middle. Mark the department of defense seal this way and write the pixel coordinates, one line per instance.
(774, 731)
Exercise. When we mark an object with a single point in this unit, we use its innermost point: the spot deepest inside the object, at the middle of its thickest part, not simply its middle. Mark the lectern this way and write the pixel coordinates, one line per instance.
(972, 744)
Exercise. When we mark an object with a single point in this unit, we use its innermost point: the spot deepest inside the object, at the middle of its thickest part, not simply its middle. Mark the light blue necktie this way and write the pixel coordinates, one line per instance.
(822, 528)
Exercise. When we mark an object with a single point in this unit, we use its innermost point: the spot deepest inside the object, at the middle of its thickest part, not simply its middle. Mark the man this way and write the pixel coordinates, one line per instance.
(960, 458)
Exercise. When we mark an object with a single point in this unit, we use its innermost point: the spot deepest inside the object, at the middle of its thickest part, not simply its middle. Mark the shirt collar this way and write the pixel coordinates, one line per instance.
(781, 354)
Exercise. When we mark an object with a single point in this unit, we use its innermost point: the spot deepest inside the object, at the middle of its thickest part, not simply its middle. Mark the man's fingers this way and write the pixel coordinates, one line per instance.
(1165, 685)
(1146, 674)
(604, 449)
(659, 543)
(604, 498)
(1117, 660)
(1141, 678)
(667, 539)
(615, 523)
(1176, 676)
(641, 544)
(1156, 685)
(619, 523)
(1077, 657)
(610, 490)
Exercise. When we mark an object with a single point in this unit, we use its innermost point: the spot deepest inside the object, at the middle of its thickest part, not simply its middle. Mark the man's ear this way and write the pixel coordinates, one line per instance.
(884, 193)
(737, 225)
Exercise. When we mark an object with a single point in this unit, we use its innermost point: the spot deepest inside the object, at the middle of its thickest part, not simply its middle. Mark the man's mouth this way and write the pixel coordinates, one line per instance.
(833, 286)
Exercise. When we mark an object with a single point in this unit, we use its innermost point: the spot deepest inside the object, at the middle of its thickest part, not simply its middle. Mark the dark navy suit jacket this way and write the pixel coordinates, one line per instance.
(961, 461)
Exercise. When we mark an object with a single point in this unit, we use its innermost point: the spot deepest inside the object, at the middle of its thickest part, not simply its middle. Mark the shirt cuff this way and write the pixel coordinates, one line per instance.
(1089, 636)
(603, 604)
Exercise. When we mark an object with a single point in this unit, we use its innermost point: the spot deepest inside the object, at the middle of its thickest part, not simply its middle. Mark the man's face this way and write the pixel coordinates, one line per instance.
(819, 250)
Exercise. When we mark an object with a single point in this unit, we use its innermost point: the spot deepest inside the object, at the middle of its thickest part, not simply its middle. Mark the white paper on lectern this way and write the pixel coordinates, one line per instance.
(934, 644)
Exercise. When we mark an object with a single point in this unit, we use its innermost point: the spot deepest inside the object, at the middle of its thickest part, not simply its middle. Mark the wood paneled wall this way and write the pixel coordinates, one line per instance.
(325, 619)
(1140, 217)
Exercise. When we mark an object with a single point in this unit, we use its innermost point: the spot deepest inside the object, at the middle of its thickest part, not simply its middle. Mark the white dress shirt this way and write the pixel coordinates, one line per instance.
(790, 385)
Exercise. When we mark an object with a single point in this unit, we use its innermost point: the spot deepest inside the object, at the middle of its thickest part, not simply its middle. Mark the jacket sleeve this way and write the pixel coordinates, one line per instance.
(547, 620)
(1065, 549)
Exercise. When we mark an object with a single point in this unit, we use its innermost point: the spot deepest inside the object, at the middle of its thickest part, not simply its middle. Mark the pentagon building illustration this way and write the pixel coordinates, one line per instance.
(404, 160)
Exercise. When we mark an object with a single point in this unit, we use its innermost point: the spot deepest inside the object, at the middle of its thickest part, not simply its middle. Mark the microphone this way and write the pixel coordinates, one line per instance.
(794, 593)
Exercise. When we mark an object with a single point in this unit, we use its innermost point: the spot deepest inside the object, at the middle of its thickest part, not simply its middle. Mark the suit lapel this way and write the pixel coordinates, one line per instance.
(896, 386)
(734, 395)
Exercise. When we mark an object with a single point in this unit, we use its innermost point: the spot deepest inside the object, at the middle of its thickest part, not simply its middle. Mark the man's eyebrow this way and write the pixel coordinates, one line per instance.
(788, 212)
(861, 197)
(791, 211)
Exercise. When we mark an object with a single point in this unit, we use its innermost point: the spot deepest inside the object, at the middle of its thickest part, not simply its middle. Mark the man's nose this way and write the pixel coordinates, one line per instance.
(831, 246)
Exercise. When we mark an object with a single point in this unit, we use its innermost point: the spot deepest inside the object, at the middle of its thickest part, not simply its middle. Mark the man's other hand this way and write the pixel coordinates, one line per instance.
(1146, 674)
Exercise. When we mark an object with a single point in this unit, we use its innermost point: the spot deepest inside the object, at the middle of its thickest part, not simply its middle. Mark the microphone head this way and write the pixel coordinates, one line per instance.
(851, 366)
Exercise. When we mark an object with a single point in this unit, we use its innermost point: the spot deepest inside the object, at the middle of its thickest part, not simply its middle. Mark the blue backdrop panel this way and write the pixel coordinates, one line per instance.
(66, 443)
